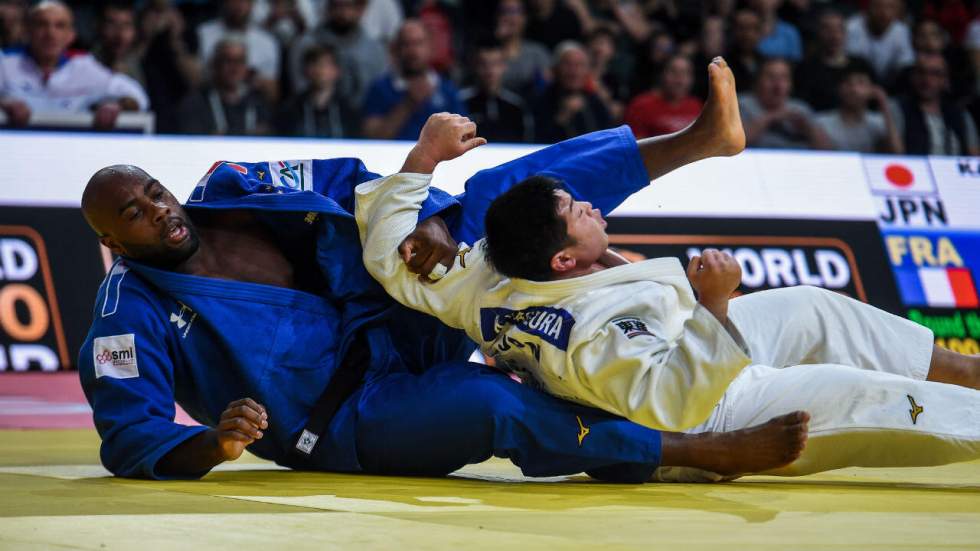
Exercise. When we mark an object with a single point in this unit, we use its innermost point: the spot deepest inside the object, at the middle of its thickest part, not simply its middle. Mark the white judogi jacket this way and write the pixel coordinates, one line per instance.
(631, 339)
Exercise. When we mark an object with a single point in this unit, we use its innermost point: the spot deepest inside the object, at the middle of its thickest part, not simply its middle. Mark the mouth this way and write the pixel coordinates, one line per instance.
(176, 232)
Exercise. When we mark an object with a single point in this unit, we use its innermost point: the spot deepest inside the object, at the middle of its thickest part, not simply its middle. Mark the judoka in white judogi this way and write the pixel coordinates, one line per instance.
(632, 340)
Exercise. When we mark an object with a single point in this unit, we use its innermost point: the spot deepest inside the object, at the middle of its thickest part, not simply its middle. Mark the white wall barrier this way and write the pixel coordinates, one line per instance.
(899, 232)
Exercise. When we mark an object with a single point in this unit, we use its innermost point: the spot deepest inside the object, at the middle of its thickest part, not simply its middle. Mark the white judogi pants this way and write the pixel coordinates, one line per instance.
(860, 373)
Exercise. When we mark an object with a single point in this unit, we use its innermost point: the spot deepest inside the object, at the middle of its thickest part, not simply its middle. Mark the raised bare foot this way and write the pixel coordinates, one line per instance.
(719, 122)
(770, 445)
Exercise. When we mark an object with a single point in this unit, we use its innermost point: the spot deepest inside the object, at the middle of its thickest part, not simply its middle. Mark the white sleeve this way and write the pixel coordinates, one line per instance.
(661, 384)
(387, 212)
(124, 86)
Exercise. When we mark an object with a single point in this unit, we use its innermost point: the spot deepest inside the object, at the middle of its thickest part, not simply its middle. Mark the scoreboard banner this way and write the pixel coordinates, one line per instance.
(899, 232)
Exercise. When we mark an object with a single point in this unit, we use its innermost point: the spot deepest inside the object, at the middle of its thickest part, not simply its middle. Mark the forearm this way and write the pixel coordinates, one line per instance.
(192, 457)
(893, 140)
(817, 138)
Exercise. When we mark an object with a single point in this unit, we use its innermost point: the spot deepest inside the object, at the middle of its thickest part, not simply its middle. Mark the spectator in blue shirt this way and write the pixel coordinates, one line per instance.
(398, 104)
(779, 38)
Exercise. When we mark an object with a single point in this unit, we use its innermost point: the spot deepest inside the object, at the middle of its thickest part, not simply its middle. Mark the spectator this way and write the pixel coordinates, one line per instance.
(929, 37)
(320, 110)
(500, 114)
(551, 22)
(880, 37)
(382, 19)
(818, 78)
(710, 45)
(46, 77)
(852, 127)
(231, 105)
(438, 17)
(117, 47)
(528, 63)
(744, 58)
(772, 119)
(12, 31)
(398, 104)
(650, 61)
(170, 69)
(284, 20)
(972, 45)
(669, 109)
(362, 59)
(609, 83)
(779, 38)
(262, 48)
(928, 121)
(567, 107)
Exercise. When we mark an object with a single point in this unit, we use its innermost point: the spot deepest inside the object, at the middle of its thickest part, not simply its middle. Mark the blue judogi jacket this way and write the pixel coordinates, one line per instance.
(160, 336)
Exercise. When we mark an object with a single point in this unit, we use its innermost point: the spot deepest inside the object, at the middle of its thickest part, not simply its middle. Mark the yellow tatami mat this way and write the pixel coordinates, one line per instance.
(54, 495)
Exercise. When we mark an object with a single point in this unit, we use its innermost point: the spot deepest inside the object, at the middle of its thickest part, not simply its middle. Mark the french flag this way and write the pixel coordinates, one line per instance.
(938, 287)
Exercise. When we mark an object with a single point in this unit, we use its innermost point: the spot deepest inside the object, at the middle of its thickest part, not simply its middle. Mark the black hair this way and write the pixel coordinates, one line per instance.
(857, 66)
(524, 229)
(315, 53)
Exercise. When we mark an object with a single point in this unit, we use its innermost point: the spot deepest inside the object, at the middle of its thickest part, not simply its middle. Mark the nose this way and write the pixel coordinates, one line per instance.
(160, 213)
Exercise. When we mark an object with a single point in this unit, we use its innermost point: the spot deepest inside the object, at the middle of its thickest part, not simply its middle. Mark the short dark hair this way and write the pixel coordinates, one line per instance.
(857, 66)
(524, 229)
(316, 52)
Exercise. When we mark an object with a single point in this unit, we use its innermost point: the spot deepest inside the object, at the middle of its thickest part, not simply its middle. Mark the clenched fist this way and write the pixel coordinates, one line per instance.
(444, 137)
(715, 276)
(241, 424)
(428, 245)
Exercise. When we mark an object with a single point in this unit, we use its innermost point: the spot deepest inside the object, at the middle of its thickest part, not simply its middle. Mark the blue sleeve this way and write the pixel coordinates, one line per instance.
(602, 167)
(128, 379)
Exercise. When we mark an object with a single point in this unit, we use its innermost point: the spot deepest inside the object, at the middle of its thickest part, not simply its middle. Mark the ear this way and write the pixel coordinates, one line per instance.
(562, 262)
(111, 244)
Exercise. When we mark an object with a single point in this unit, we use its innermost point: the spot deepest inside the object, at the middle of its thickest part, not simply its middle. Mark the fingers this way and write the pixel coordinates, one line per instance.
(693, 266)
(473, 144)
(407, 249)
(422, 258)
(240, 425)
(467, 128)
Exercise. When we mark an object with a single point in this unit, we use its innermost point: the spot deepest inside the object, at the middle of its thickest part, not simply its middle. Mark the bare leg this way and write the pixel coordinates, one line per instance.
(770, 445)
(717, 132)
(955, 369)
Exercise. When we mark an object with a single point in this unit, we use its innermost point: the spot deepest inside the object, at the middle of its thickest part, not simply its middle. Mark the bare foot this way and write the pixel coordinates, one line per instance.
(719, 122)
(773, 444)
(955, 369)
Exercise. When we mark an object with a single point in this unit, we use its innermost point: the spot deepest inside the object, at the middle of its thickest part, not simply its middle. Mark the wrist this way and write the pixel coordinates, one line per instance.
(718, 308)
(418, 161)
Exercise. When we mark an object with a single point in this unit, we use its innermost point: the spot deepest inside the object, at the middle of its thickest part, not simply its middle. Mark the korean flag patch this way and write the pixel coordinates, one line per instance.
(115, 357)
(632, 327)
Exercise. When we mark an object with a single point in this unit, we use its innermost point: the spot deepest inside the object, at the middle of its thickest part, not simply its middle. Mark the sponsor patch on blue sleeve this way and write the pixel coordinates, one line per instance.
(115, 357)
(632, 327)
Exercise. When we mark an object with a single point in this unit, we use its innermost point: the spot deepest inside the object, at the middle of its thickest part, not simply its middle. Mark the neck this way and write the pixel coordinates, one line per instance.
(835, 59)
(931, 105)
(608, 259)
(321, 97)
(230, 93)
(512, 45)
(46, 64)
(852, 112)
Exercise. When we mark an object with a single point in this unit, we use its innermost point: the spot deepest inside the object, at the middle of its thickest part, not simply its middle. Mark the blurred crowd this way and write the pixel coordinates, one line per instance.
(858, 75)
